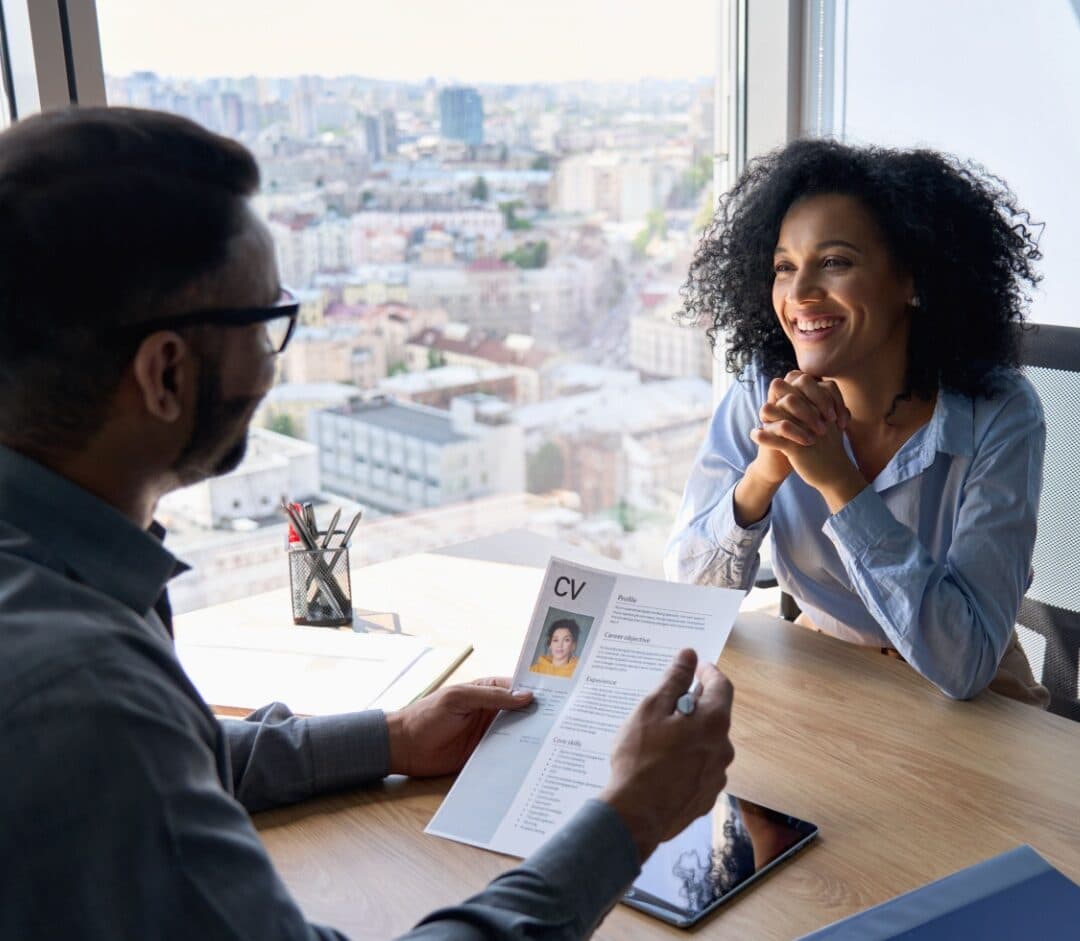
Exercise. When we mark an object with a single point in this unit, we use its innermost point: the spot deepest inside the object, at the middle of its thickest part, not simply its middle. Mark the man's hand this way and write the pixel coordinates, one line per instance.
(436, 734)
(667, 768)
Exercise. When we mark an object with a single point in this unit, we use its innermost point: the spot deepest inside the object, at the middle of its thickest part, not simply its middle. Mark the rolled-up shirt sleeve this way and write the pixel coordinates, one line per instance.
(952, 618)
(708, 546)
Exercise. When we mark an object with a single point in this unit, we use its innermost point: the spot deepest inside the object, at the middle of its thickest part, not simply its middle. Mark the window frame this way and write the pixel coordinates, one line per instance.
(51, 55)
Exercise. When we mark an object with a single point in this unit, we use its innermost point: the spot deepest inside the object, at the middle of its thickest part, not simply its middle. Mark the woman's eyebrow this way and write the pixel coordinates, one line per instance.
(821, 246)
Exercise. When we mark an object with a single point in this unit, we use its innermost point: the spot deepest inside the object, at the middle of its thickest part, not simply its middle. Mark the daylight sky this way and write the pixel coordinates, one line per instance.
(467, 40)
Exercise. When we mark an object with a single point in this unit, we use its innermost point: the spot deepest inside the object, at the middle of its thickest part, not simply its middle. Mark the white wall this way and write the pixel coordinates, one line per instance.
(997, 81)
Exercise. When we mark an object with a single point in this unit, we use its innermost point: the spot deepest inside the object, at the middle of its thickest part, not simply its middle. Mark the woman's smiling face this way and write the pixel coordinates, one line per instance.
(562, 646)
(840, 296)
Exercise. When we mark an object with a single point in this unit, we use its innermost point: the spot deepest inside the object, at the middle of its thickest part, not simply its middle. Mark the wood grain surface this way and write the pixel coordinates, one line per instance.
(906, 785)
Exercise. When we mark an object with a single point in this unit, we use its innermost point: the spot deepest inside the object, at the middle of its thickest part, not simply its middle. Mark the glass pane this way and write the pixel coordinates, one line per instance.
(1026, 131)
(487, 214)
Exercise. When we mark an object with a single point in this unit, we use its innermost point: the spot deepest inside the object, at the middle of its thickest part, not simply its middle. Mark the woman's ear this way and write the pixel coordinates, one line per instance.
(163, 369)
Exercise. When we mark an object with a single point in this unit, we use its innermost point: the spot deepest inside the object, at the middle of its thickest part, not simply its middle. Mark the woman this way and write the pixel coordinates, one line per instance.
(562, 641)
(880, 426)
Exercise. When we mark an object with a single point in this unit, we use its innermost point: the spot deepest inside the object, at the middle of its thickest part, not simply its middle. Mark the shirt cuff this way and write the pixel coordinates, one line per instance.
(860, 524)
(728, 533)
(348, 750)
(591, 861)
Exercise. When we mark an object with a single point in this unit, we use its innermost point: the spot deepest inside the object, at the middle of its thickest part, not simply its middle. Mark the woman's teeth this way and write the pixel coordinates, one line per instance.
(809, 326)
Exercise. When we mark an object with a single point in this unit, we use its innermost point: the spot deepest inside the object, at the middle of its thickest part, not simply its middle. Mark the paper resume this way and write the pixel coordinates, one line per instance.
(597, 643)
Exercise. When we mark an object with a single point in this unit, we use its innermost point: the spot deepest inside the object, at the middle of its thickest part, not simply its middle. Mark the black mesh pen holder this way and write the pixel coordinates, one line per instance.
(321, 591)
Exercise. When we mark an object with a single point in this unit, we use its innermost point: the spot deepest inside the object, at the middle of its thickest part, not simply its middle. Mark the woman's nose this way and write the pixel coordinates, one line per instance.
(805, 285)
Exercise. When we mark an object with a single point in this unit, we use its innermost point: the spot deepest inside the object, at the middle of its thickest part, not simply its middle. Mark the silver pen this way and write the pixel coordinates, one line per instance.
(687, 702)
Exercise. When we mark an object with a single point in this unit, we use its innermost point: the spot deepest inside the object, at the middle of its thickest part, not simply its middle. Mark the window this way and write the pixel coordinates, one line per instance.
(7, 82)
(471, 190)
(1022, 129)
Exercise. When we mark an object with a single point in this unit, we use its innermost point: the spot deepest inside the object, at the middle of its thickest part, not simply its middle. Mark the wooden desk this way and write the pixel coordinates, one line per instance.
(906, 785)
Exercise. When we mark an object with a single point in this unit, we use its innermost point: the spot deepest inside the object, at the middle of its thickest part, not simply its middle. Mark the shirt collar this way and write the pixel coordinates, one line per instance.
(951, 430)
(104, 548)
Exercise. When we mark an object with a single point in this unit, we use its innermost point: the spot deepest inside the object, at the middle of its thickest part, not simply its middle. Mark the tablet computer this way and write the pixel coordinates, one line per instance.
(714, 858)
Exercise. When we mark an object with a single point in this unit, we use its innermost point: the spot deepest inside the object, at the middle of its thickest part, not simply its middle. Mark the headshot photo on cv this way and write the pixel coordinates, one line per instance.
(561, 643)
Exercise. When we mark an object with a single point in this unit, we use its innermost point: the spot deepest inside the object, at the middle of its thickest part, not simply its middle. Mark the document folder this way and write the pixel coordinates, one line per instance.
(1016, 896)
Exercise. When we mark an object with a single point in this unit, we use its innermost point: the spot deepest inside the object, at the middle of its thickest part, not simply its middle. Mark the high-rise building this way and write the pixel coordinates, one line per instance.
(373, 138)
(389, 131)
(461, 115)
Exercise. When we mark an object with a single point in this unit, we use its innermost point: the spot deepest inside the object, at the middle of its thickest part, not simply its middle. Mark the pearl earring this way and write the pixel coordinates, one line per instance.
(915, 301)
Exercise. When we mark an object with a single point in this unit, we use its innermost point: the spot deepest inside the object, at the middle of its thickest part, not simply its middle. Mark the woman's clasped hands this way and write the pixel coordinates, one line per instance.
(802, 430)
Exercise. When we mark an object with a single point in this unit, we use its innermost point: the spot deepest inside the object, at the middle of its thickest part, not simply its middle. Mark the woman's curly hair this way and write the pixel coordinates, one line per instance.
(955, 228)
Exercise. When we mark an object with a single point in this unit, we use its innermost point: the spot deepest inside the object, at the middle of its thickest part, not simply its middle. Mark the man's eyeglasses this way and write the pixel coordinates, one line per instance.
(279, 319)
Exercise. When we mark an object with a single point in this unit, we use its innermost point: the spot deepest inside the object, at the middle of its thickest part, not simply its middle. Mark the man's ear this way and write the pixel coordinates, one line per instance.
(163, 369)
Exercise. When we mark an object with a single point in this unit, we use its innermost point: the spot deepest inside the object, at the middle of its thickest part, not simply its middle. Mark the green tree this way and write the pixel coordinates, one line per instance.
(283, 424)
(705, 210)
(435, 359)
(529, 255)
(509, 210)
(399, 367)
(656, 220)
(625, 516)
(544, 469)
(655, 226)
(479, 190)
(542, 162)
(641, 242)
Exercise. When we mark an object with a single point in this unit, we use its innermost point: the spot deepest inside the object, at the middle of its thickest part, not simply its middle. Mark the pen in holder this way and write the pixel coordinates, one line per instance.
(320, 587)
(318, 572)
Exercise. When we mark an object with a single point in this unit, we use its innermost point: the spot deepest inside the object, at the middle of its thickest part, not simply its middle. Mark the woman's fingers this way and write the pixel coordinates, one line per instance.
(780, 421)
(797, 407)
(815, 392)
(843, 414)
(822, 394)
(766, 438)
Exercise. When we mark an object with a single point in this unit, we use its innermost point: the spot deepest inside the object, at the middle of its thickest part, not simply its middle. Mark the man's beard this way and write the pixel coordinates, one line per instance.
(219, 433)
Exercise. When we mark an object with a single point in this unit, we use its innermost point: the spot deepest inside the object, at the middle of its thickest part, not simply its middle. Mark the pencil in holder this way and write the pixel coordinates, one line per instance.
(321, 591)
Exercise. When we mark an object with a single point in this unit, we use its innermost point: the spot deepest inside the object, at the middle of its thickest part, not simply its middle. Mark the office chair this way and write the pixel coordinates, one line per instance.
(766, 578)
(1048, 624)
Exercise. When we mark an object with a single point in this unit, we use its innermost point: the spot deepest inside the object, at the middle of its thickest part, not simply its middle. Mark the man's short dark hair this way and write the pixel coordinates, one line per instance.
(105, 214)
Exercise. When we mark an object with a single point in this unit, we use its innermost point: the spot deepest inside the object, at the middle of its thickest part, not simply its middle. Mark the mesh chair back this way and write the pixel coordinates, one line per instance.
(1049, 619)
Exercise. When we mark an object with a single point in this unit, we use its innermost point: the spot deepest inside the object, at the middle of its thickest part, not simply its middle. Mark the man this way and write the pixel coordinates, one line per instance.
(140, 312)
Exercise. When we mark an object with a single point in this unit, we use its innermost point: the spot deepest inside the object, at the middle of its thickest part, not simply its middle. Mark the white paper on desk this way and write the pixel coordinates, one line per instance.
(534, 769)
(313, 670)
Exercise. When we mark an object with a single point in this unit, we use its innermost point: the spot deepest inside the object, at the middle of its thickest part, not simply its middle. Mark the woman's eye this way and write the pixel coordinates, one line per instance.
(782, 266)
(835, 263)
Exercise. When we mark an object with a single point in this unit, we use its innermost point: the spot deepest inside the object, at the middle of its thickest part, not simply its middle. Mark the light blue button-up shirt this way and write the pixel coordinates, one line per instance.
(933, 558)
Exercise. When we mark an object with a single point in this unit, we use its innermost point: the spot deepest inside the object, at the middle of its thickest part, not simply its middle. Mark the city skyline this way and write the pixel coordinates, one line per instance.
(483, 42)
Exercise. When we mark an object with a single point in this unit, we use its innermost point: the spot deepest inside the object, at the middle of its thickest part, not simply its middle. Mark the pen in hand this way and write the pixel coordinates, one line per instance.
(687, 702)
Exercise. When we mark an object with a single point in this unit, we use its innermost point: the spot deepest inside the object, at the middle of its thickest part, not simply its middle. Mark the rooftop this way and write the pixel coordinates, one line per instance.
(311, 392)
(483, 346)
(622, 409)
(443, 377)
(413, 421)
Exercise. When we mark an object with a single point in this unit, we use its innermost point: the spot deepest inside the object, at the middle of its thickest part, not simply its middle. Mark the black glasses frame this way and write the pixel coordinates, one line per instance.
(286, 306)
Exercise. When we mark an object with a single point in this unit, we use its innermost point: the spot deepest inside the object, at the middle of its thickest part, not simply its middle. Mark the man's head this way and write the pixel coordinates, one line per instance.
(112, 221)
